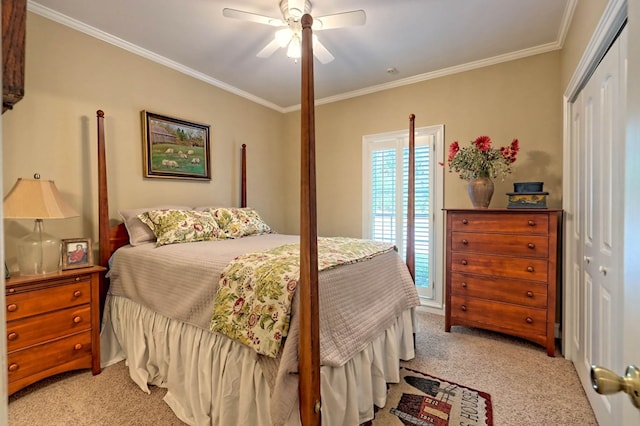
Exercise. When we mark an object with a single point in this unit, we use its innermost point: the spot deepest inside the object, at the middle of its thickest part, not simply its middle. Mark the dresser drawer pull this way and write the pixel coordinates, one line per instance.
(464, 261)
(12, 307)
(463, 284)
(465, 242)
(529, 268)
(13, 367)
(77, 319)
(531, 246)
(77, 346)
(77, 293)
(532, 223)
(463, 308)
(529, 320)
(12, 336)
(465, 221)
(529, 294)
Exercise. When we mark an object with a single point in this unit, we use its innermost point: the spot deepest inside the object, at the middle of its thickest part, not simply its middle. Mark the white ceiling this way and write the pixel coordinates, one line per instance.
(422, 39)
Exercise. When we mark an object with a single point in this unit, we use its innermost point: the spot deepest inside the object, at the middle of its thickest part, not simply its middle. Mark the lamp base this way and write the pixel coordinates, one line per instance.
(39, 252)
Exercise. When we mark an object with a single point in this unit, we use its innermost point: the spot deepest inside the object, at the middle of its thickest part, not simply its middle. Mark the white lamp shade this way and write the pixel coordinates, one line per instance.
(36, 199)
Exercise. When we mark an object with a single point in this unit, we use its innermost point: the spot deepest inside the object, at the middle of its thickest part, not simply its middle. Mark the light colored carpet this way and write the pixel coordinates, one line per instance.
(526, 386)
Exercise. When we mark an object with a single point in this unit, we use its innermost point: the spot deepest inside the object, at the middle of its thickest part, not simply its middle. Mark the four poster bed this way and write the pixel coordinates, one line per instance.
(349, 326)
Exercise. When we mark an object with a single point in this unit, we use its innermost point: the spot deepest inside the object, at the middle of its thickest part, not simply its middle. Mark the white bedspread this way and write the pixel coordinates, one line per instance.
(358, 302)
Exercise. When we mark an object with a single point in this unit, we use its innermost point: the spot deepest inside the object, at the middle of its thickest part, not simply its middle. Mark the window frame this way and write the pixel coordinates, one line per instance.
(399, 140)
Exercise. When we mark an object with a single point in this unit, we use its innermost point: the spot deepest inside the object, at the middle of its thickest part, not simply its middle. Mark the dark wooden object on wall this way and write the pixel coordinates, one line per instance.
(14, 25)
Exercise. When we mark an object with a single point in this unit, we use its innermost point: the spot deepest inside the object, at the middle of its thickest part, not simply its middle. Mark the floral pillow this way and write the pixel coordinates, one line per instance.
(139, 232)
(239, 222)
(182, 226)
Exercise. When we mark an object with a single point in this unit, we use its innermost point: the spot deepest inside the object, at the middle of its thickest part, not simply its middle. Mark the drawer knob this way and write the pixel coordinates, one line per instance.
(77, 346)
(465, 221)
(13, 367)
(465, 242)
(12, 336)
(463, 284)
(532, 223)
(531, 246)
(463, 308)
(464, 261)
(77, 319)
(77, 293)
(529, 294)
(12, 307)
(529, 320)
(529, 268)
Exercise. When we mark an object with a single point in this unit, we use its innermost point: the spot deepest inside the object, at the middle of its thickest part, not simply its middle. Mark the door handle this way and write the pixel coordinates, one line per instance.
(606, 382)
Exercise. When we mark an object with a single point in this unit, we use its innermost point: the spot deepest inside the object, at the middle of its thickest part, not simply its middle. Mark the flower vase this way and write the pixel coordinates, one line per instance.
(480, 192)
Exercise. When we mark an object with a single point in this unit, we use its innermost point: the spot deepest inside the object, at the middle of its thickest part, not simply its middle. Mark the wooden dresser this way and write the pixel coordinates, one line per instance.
(53, 325)
(501, 271)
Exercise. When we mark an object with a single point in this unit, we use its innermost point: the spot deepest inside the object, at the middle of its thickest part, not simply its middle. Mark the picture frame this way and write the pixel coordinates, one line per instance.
(76, 253)
(175, 148)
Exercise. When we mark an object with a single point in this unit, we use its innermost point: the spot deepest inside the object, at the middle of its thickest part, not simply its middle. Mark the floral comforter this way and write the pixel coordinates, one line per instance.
(253, 302)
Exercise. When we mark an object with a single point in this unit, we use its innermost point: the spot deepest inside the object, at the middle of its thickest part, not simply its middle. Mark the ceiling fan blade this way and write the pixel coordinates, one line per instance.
(321, 52)
(269, 49)
(340, 20)
(252, 17)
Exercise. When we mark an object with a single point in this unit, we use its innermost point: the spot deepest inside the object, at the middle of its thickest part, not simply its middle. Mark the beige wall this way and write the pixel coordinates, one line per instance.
(518, 99)
(585, 19)
(70, 75)
(52, 131)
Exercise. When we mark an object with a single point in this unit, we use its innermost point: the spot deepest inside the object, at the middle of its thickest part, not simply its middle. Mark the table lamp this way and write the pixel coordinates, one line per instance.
(38, 252)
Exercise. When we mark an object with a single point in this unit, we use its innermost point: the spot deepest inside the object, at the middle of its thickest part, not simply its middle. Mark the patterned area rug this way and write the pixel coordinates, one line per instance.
(420, 399)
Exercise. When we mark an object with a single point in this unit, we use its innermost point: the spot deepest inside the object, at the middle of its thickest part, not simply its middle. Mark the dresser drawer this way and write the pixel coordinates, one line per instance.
(499, 266)
(526, 293)
(520, 223)
(30, 331)
(55, 353)
(522, 320)
(25, 304)
(506, 244)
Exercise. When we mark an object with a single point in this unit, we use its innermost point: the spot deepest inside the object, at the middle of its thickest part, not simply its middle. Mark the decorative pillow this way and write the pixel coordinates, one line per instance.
(139, 232)
(182, 226)
(239, 222)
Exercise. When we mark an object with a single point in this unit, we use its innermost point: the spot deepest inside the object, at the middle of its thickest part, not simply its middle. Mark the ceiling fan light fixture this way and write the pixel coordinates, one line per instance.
(283, 36)
(294, 50)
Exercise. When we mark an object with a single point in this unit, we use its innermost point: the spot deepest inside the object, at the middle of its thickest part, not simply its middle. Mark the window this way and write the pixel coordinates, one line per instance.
(385, 186)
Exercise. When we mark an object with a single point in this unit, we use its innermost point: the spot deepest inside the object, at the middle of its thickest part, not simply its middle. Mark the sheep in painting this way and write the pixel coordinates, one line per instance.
(190, 152)
(169, 151)
(172, 163)
(183, 155)
(195, 161)
(165, 162)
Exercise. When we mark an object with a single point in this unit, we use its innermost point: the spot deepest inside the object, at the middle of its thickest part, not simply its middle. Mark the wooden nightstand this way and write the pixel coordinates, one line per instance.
(53, 325)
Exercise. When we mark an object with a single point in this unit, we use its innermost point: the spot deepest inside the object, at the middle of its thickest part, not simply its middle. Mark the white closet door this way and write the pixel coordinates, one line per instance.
(598, 126)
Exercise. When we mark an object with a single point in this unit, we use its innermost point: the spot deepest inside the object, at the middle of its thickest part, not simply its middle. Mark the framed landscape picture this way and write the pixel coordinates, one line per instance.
(175, 148)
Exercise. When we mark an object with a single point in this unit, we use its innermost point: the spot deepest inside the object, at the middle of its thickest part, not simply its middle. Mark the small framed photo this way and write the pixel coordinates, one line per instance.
(76, 253)
(175, 148)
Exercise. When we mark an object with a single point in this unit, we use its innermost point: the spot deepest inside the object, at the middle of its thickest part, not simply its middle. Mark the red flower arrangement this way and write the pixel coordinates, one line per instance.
(481, 160)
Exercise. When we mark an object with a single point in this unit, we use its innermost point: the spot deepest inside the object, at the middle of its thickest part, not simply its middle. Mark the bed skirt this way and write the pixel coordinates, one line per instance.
(213, 380)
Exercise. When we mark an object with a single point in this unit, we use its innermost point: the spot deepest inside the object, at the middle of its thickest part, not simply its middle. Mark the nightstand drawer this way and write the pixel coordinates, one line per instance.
(525, 293)
(75, 349)
(500, 266)
(30, 331)
(520, 223)
(529, 321)
(505, 244)
(25, 304)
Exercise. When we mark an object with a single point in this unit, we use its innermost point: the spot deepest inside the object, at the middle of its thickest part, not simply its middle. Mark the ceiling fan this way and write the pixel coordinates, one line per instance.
(290, 36)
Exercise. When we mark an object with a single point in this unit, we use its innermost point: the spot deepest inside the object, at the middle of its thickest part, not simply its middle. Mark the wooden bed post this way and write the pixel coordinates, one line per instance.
(104, 248)
(309, 342)
(243, 183)
(411, 201)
